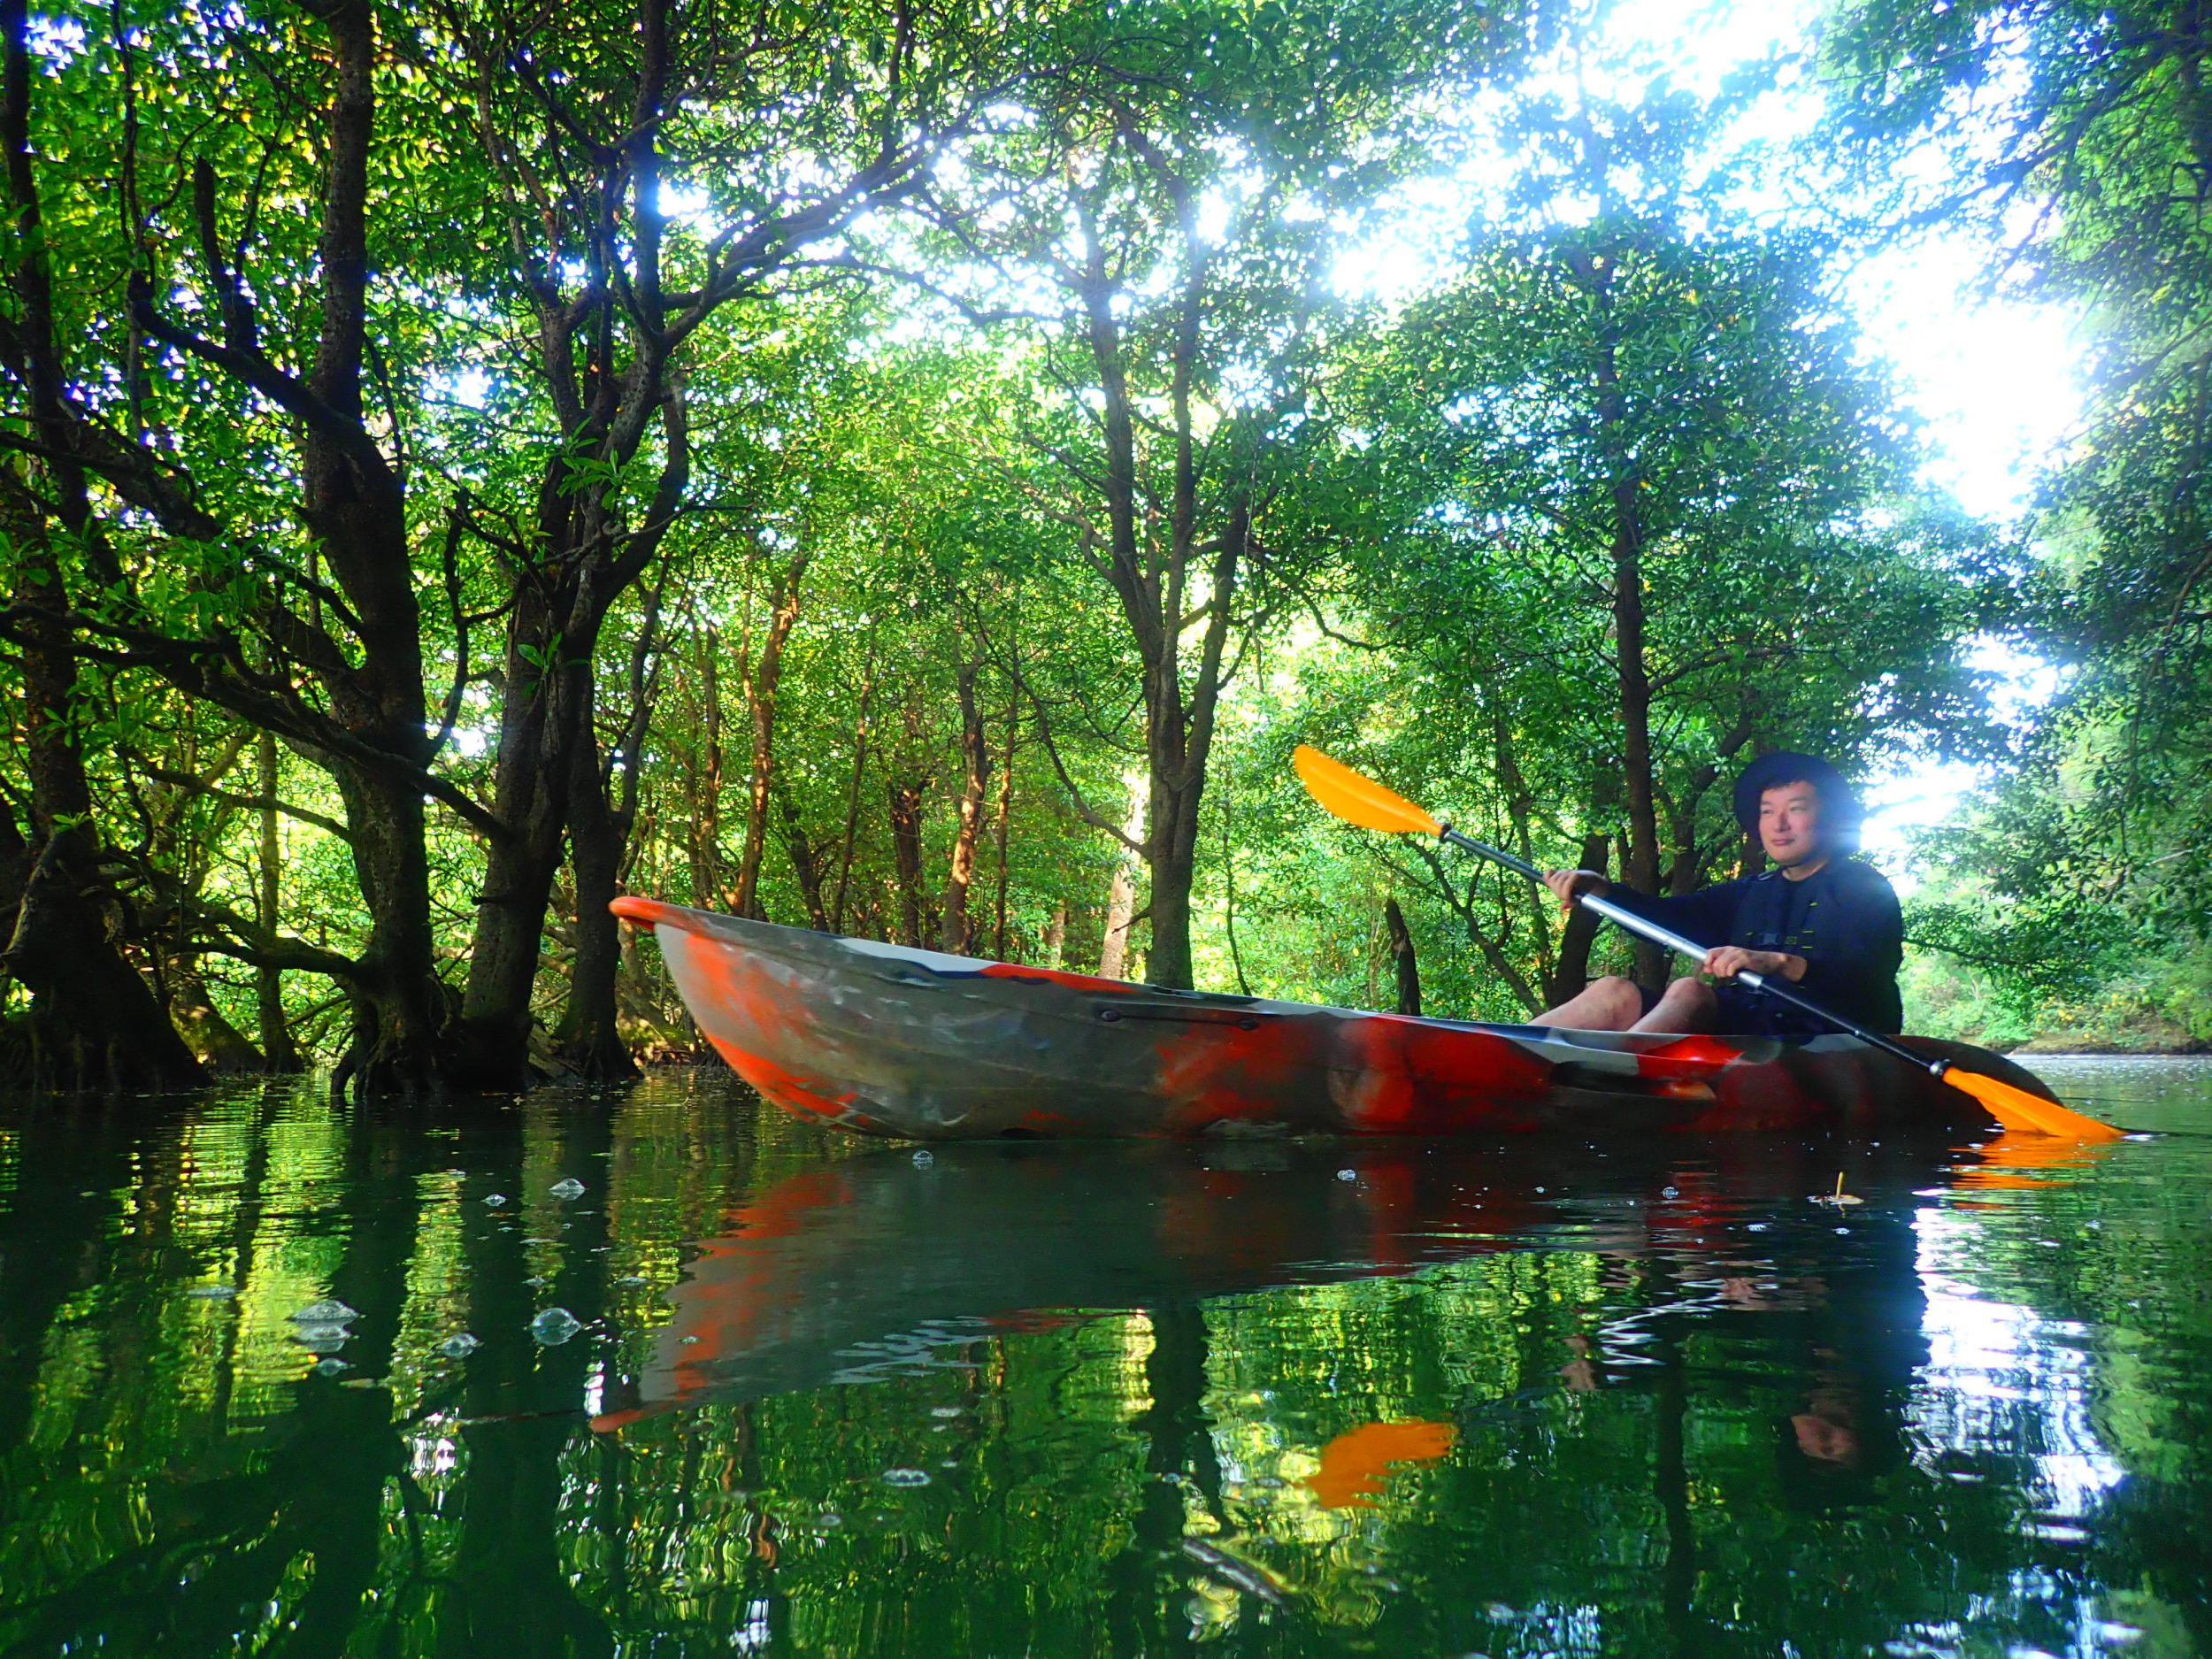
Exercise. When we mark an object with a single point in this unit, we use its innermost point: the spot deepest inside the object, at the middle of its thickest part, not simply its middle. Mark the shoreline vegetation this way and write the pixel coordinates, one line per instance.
(2165, 1011)
(919, 474)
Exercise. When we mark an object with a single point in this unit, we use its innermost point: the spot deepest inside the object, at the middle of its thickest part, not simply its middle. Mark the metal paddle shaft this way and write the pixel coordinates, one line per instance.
(1685, 946)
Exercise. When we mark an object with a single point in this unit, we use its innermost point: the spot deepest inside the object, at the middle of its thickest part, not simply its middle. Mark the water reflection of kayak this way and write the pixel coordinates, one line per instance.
(887, 1039)
(891, 1264)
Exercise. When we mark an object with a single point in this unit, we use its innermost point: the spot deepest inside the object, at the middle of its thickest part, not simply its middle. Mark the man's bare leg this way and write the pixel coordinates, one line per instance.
(1608, 1004)
(1687, 1005)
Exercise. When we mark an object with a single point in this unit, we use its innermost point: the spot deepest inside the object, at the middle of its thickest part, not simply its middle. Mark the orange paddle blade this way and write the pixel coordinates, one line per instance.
(1358, 800)
(2017, 1108)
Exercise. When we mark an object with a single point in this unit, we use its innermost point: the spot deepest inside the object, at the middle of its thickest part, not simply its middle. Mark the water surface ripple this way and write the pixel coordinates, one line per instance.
(659, 1373)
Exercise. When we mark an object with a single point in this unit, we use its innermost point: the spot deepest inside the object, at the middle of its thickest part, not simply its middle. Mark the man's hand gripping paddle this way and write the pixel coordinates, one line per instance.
(1363, 801)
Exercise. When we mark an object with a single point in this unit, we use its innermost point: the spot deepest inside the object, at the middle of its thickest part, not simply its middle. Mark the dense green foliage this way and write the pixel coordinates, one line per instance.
(2082, 137)
(917, 471)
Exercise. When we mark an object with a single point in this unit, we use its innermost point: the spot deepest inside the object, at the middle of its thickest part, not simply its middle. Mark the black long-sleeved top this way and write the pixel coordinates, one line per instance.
(1843, 919)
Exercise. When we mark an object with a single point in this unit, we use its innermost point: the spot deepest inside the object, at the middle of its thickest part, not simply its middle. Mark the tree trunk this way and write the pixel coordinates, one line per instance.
(908, 791)
(603, 837)
(1173, 874)
(952, 932)
(852, 790)
(589, 1040)
(354, 503)
(544, 721)
(1402, 954)
(703, 783)
(1000, 830)
(366, 723)
(1178, 718)
(279, 1052)
(1640, 870)
(221, 1045)
(906, 798)
(95, 1023)
(1571, 970)
(545, 731)
(585, 553)
(400, 1006)
(760, 696)
(1121, 904)
(806, 864)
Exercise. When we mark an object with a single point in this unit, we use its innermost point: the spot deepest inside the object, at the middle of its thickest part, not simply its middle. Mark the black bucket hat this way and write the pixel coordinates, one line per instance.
(1841, 813)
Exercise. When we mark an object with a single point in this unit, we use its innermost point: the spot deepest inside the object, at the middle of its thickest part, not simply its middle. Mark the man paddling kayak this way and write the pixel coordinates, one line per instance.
(1821, 919)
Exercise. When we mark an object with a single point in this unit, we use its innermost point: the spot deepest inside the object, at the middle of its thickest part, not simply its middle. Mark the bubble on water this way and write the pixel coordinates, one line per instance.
(1757, 1226)
(905, 1477)
(1348, 1175)
(331, 1367)
(555, 1326)
(569, 1188)
(830, 1517)
(631, 1281)
(460, 1345)
(493, 1201)
(328, 1311)
(1669, 1192)
(948, 1411)
(212, 1293)
(923, 1160)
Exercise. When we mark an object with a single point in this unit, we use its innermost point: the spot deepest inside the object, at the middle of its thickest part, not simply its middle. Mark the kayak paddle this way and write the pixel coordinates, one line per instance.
(1361, 801)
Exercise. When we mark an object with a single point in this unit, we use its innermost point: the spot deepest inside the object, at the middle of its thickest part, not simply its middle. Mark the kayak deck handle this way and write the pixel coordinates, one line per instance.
(1114, 1013)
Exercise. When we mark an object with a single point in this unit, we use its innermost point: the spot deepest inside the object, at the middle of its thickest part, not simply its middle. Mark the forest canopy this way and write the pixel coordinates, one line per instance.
(917, 470)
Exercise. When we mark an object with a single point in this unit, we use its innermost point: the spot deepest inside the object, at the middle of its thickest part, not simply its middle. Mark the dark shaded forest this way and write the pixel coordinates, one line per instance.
(917, 470)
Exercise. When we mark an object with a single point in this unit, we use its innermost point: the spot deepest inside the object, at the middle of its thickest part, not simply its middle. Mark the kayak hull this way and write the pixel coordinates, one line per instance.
(887, 1039)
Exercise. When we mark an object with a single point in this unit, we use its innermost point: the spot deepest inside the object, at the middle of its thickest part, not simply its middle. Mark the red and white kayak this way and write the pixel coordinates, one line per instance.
(889, 1040)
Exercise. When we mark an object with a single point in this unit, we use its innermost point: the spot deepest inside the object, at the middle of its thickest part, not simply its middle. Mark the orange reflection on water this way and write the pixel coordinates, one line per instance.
(1998, 1162)
(1353, 1465)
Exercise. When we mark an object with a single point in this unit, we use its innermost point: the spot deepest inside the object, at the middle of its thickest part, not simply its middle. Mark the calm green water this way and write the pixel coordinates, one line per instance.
(744, 1389)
